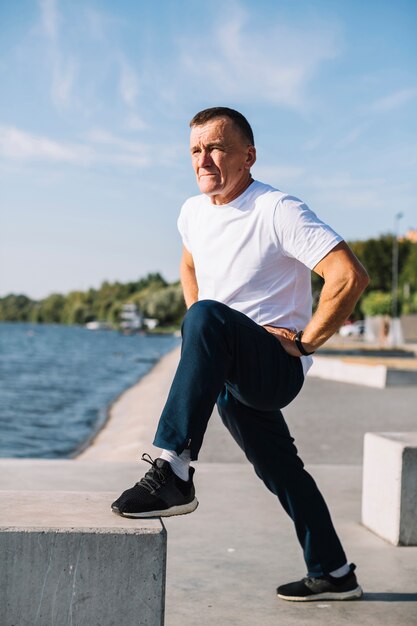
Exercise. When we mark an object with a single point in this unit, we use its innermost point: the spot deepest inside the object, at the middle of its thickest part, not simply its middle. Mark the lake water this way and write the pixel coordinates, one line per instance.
(58, 381)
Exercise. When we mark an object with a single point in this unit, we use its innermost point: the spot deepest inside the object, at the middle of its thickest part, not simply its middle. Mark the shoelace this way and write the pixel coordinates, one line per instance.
(154, 477)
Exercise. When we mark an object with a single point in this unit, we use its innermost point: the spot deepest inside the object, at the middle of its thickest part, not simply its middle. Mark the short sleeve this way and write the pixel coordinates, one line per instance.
(183, 227)
(301, 234)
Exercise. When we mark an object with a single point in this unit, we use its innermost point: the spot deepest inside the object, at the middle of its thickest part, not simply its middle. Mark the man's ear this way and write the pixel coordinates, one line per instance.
(250, 157)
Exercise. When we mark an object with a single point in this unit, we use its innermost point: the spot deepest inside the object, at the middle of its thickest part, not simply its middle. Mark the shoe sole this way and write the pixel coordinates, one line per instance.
(353, 594)
(181, 509)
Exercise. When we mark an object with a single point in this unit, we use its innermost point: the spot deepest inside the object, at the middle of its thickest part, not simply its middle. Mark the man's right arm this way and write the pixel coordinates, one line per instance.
(188, 279)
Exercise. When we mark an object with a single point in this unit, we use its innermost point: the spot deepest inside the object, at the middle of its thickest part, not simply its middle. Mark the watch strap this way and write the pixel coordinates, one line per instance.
(298, 343)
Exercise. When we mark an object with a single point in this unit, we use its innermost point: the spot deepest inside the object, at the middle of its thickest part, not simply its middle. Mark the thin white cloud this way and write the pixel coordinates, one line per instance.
(351, 137)
(17, 145)
(312, 144)
(129, 86)
(63, 79)
(103, 137)
(96, 23)
(49, 15)
(63, 68)
(135, 122)
(394, 100)
(134, 153)
(271, 65)
(129, 92)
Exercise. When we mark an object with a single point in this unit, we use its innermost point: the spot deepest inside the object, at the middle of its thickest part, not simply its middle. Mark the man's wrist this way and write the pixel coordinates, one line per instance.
(304, 349)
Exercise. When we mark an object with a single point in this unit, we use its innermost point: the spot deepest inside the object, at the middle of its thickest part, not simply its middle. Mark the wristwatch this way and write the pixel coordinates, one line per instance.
(297, 341)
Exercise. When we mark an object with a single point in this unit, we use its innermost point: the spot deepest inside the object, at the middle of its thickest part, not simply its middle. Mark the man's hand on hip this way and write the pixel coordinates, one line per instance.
(286, 339)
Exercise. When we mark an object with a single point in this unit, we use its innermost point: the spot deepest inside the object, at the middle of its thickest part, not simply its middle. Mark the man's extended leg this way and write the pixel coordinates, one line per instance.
(267, 443)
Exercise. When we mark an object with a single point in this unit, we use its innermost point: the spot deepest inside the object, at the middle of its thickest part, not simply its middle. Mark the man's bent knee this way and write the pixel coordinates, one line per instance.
(205, 312)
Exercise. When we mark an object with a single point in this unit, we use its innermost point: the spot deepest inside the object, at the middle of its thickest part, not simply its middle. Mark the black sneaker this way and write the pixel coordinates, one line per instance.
(160, 493)
(322, 588)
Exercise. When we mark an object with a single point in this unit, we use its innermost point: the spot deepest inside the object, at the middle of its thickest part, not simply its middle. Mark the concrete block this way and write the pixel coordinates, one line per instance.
(389, 493)
(371, 375)
(356, 373)
(66, 559)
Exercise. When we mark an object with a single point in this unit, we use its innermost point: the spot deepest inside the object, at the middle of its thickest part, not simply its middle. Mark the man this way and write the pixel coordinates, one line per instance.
(247, 340)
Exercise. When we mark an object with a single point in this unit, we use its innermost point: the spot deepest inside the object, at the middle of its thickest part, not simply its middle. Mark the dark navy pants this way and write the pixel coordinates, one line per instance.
(228, 359)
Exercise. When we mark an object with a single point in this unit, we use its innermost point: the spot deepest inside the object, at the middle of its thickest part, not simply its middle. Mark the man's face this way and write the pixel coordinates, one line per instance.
(221, 158)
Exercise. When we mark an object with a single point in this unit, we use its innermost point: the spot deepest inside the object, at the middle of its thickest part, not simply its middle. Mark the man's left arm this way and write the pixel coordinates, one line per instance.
(345, 279)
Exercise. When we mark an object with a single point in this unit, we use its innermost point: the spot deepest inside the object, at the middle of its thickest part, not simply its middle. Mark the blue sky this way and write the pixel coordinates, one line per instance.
(95, 102)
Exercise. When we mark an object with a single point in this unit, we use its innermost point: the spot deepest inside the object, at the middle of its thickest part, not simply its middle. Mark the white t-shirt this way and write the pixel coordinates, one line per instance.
(255, 254)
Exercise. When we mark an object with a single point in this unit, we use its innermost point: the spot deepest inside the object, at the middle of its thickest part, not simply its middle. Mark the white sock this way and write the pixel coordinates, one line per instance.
(180, 464)
(342, 571)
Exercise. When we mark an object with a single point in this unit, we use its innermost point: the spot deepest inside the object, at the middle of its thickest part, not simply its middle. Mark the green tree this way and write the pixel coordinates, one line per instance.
(410, 304)
(166, 305)
(16, 308)
(376, 303)
(113, 315)
(78, 308)
(408, 274)
(51, 309)
(376, 256)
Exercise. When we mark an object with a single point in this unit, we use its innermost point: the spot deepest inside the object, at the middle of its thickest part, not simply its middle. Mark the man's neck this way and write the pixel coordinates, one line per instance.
(218, 199)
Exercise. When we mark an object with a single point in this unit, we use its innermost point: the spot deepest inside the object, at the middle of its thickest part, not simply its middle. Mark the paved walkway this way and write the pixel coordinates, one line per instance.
(225, 560)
